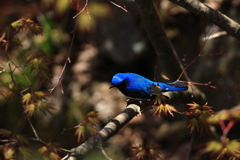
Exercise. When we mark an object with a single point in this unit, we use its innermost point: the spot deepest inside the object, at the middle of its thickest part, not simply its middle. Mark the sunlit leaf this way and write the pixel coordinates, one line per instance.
(81, 132)
(42, 150)
(164, 109)
(30, 109)
(54, 156)
(19, 24)
(26, 98)
(92, 117)
(40, 95)
(164, 76)
(146, 152)
(231, 148)
(225, 115)
(9, 153)
(50, 151)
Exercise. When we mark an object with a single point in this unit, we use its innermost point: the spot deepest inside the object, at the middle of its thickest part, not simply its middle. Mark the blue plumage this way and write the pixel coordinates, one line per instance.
(136, 86)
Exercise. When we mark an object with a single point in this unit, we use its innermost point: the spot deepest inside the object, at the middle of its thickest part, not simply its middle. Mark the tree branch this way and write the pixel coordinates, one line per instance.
(216, 17)
(166, 53)
(108, 131)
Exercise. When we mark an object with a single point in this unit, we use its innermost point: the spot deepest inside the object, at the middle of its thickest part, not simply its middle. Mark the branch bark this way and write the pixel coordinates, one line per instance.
(216, 17)
(109, 130)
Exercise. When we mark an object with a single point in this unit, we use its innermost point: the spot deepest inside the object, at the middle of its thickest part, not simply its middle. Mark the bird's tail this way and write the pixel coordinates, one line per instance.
(173, 86)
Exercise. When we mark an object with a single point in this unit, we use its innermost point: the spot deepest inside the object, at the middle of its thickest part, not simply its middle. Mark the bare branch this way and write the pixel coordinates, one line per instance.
(216, 17)
(164, 49)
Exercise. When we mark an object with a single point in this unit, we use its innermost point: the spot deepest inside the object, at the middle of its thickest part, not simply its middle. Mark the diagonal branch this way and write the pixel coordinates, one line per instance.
(108, 131)
(216, 17)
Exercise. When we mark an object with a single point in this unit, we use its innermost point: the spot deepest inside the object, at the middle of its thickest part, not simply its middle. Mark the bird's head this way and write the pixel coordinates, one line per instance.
(117, 79)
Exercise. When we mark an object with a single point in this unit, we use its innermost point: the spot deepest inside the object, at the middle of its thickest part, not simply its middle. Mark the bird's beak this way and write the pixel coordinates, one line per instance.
(112, 85)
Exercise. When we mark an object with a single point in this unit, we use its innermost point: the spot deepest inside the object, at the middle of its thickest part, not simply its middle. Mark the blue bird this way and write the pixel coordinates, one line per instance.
(136, 86)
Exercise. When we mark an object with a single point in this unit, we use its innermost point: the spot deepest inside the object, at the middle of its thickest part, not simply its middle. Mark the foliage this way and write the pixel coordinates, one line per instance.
(199, 114)
(150, 152)
(8, 35)
(50, 151)
(224, 146)
(88, 126)
(28, 72)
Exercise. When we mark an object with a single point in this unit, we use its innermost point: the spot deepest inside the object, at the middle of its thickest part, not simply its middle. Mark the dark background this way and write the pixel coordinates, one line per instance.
(109, 40)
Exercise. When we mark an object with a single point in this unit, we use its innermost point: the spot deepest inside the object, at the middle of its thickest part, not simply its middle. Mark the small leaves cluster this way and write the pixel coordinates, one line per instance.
(199, 114)
(50, 151)
(225, 147)
(34, 102)
(159, 103)
(39, 63)
(13, 143)
(150, 152)
(88, 126)
(7, 36)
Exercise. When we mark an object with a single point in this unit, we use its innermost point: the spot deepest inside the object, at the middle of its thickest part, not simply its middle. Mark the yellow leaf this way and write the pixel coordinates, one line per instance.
(26, 98)
(164, 76)
(42, 150)
(81, 132)
(166, 109)
(30, 109)
(40, 95)
(9, 153)
(54, 156)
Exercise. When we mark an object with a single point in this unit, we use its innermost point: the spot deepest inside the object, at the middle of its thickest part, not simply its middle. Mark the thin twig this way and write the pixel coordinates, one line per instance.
(86, 3)
(103, 151)
(67, 60)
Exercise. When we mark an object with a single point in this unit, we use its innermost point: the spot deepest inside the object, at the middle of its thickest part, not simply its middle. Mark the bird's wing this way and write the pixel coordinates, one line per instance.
(177, 84)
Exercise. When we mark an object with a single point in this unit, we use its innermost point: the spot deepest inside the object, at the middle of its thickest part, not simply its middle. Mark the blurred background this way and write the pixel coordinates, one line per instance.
(109, 40)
